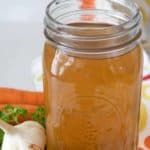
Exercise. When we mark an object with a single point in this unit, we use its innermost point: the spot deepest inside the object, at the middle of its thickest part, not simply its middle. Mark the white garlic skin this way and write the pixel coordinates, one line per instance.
(21, 136)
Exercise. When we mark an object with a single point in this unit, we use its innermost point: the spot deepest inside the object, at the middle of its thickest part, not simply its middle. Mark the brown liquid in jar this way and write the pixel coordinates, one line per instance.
(92, 104)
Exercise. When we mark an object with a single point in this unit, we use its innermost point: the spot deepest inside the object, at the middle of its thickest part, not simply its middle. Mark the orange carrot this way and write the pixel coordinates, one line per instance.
(90, 4)
(13, 96)
(87, 6)
(140, 148)
(147, 142)
(88, 1)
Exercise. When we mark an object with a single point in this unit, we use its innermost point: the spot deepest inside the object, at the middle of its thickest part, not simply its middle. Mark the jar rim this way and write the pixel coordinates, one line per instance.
(113, 27)
(114, 39)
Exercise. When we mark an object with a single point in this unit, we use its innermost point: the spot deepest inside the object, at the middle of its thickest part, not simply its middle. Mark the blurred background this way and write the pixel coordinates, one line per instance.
(21, 39)
(145, 10)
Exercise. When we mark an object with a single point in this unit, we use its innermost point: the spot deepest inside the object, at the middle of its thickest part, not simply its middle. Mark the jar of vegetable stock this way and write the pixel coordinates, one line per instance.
(92, 74)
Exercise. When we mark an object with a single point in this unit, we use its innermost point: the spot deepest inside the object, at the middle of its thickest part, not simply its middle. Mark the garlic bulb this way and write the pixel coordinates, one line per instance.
(28, 135)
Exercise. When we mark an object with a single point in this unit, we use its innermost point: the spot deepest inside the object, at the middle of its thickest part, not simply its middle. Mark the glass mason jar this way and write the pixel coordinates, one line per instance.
(92, 74)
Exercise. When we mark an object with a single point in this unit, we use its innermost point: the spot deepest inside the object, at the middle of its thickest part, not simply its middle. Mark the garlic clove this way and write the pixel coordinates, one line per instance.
(34, 131)
(25, 136)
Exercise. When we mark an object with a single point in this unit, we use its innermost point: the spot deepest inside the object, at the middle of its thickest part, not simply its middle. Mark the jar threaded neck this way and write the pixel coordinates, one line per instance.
(109, 32)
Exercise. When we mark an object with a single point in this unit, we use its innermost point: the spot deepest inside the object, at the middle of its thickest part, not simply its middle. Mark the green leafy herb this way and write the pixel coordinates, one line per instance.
(1, 138)
(12, 114)
(39, 116)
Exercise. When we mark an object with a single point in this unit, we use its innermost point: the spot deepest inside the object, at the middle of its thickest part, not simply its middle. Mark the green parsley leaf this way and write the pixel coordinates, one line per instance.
(1, 138)
(12, 114)
(39, 116)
